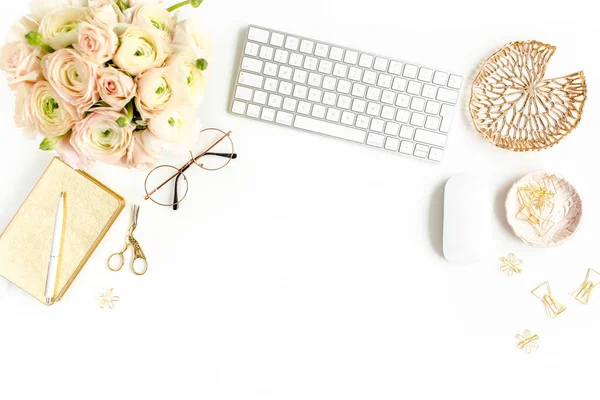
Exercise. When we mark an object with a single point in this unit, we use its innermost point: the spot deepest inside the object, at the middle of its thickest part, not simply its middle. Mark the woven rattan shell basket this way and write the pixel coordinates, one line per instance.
(516, 108)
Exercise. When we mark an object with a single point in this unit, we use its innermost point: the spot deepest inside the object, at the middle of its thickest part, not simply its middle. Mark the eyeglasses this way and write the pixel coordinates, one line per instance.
(167, 185)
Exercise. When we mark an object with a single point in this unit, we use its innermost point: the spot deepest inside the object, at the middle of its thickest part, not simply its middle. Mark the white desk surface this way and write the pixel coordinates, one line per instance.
(311, 268)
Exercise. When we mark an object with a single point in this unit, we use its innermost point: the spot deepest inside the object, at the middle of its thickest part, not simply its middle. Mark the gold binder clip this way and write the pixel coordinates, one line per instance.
(592, 279)
(553, 307)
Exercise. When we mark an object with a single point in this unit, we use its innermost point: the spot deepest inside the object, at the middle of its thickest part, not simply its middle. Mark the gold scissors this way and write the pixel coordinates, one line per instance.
(139, 259)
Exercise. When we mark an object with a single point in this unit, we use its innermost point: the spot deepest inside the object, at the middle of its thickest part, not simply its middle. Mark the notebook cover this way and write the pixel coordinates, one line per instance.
(90, 210)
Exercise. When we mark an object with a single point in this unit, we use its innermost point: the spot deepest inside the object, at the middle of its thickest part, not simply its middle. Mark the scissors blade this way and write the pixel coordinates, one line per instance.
(135, 212)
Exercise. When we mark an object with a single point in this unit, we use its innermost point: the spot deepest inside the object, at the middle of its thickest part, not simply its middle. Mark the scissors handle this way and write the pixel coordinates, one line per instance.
(138, 257)
(121, 262)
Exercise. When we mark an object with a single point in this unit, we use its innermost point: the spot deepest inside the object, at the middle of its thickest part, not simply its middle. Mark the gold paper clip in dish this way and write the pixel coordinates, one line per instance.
(592, 279)
(553, 307)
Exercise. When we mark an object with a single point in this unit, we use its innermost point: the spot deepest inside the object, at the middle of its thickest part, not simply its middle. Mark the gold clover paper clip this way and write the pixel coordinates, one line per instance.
(553, 307)
(527, 341)
(107, 299)
(510, 265)
(592, 279)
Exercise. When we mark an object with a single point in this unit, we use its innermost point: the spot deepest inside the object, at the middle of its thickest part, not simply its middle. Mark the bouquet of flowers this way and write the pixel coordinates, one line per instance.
(114, 81)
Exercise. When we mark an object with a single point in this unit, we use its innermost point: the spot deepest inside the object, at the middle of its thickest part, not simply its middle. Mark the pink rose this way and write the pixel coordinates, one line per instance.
(21, 63)
(144, 151)
(99, 137)
(116, 87)
(96, 44)
(105, 12)
(73, 78)
(68, 154)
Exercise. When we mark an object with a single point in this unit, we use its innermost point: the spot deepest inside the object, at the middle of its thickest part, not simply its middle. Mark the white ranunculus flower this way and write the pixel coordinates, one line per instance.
(191, 78)
(25, 25)
(140, 50)
(156, 90)
(154, 17)
(176, 126)
(135, 3)
(39, 8)
(189, 36)
(47, 112)
(59, 28)
(144, 151)
(105, 12)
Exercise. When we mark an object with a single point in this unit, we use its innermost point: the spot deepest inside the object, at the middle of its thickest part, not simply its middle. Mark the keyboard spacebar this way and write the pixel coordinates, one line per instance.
(326, 128)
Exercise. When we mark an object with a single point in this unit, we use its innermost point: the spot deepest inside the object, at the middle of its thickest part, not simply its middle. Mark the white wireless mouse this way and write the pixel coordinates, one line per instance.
(467, 217)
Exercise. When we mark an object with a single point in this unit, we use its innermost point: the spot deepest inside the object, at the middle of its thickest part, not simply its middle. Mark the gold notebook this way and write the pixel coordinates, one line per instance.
(25, 245)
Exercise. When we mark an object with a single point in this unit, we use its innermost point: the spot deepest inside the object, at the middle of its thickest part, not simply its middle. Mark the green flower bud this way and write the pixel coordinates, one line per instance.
(49, 143)
(122, 122)
(201, 64)
(34, 38)
(196, 3)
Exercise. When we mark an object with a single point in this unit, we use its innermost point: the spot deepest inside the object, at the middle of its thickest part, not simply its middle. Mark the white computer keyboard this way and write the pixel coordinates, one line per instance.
(348, 94)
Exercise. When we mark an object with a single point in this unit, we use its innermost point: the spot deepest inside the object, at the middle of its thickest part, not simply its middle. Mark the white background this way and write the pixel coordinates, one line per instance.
(311, 268)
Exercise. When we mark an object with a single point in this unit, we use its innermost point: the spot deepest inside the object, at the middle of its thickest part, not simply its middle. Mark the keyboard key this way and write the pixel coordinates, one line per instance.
(363, 121)
(351, 57)
(348, 118)
(432, 107)
(270, 84)
(413, 87)
(285, 72)
(253, 111)
(243, 93)
(284, 118)
(258, 35)
(291, 43)
(403, 116)
(436, 154)
(407, 147)
(300, 76)
(336, 53)
(432, 123)
(366, 61)
(238, 107)
(260, 97)
(447, 114)
(436, 139)
(410, 71)
(289, 104)
(300, 91)
(373, 93)
(344, 102)
(417, 104)
(399, 84)
(281, 56)
(359, 105)
(370, 77)
(277, 39)
(325, 67)
(388, 97)
(395, 68)
(403, 100)
(311, 63)
(315, 95)
(377, 125)
(421, 151)
(306, 46)
(392, 128)
(440, 78)
(296, 59)
(407, 132)
(270, 69)
(344, 86)
(329, 129)
(275, 101)
(268, 114)
(384, 81)
(266, 52)
(315, 79)
(425, 74)
(429, 91)
(329, 83)
(252, 80)
(286, 88)
(375, 140)
(374, 109)
(340, 70)
(319, 111)
(333, 114)
(359, 90)
(447, 95)
(417, 119)
(355, 74)
(304, 107)
(380, 64)
(388, 112)
(252, 49)
(329, 98)
(322, 50)
(392, 144)
(455, 82)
